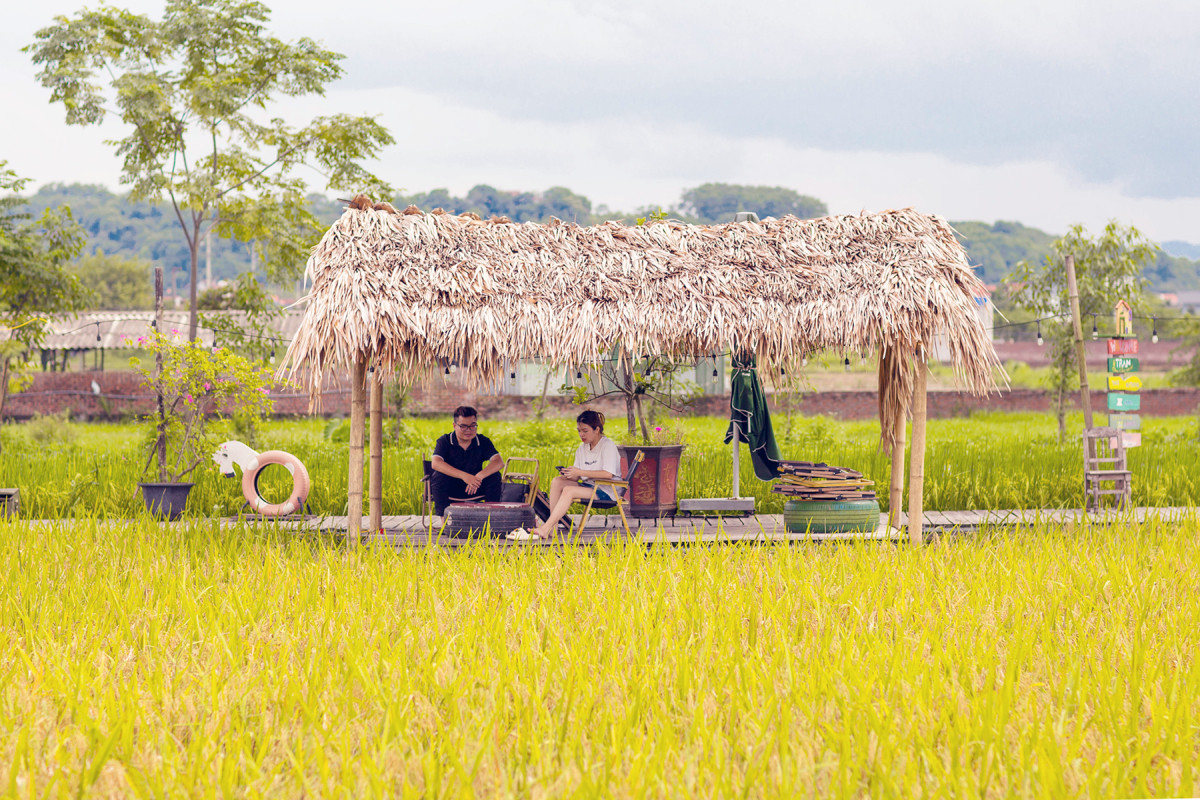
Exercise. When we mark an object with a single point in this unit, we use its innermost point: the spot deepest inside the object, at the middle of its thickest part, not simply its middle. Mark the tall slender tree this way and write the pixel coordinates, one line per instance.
(193, 91)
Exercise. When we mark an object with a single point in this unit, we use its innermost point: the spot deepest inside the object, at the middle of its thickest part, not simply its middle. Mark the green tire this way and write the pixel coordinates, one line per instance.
(831, 516)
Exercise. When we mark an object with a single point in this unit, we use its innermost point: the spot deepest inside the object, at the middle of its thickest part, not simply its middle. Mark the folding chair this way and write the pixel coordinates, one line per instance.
(620, 489)
(519, 485)
(1104, 462)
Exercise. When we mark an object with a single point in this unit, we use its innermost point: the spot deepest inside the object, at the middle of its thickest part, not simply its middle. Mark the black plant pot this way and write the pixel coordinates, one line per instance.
(166, 499)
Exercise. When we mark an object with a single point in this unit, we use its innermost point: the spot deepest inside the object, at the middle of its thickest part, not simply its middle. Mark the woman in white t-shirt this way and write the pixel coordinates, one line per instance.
(597, 457)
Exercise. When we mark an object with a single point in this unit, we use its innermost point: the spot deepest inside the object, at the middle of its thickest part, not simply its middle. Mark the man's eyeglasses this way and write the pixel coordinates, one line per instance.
(470, 427)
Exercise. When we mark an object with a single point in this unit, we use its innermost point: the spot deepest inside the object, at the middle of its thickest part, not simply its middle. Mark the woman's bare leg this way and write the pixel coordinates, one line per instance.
(557, 485)
(558, 509)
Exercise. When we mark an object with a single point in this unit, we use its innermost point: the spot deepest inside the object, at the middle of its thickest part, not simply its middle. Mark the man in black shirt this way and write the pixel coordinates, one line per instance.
(465, 464)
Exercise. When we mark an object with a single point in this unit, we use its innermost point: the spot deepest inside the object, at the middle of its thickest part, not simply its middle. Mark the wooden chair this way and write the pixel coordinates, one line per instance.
(1104, 462)
(620, 489)
(519, 483)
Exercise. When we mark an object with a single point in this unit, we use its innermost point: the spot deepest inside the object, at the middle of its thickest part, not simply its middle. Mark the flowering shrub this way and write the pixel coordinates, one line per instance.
(197, 385)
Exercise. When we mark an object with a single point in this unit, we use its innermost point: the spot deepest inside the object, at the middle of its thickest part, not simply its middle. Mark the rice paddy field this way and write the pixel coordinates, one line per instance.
(200, 660)
(991, 461)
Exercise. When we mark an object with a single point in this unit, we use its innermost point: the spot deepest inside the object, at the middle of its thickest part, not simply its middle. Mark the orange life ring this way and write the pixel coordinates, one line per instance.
(300, 483)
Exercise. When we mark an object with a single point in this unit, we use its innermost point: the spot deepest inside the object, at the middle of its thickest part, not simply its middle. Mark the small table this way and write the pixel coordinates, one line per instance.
(467, 519)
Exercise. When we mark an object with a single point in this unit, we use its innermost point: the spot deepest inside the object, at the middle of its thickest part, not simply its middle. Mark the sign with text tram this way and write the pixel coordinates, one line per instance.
(1123, 385)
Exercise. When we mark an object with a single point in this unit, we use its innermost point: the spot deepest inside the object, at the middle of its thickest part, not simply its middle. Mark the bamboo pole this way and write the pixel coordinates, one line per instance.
(160, 442)
(916, 468)
(1085, 394)
(896, 494)
(376, 465)
(354, 499)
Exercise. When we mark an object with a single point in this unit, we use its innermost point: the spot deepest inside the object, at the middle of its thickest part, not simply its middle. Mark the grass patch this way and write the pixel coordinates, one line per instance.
(141, 660)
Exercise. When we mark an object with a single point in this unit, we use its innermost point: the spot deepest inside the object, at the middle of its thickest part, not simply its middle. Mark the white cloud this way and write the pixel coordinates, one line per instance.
(1043, 112)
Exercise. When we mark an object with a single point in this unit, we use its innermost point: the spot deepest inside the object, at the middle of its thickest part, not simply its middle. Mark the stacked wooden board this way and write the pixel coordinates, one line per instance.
(808, 480)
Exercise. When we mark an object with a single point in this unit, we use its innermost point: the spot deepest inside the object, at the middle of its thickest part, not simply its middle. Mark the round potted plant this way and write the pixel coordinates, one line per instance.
(194, 385)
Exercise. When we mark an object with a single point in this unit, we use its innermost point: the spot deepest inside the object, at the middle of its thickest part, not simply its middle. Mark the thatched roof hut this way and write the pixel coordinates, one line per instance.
(407, 290)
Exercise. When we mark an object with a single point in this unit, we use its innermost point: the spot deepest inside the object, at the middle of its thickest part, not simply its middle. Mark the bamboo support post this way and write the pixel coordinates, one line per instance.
(160, 442)
(376, 466)
(354, 493)
(916, 468)
(896, 494)
(1085, 394)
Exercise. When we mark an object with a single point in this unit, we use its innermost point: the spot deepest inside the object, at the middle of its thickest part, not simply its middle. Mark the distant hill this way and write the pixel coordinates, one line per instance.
(996, 249)
(118, 226)
(1182, 249)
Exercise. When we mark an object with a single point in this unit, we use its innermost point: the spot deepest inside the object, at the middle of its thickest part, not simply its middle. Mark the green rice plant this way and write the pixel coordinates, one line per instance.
(144, 660)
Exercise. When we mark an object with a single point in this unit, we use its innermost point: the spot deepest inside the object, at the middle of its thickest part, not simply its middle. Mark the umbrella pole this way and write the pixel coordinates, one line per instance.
(916, 455)
(375, 474)
(737, 446)
(354, 483)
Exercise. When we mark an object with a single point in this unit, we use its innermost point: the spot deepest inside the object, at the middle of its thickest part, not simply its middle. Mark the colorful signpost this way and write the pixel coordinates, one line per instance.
(1125, 422)
(1123, 384)
(1123, 401)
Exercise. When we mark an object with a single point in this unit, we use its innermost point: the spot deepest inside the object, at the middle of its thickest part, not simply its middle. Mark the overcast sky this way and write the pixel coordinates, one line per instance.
(1048, 113)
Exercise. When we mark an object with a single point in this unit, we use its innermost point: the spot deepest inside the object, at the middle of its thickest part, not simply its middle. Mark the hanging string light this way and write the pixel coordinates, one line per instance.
(1154, 336)
(1040, 341)
(97, 331)
(1095, 332)
(714, 359)
(847, 363)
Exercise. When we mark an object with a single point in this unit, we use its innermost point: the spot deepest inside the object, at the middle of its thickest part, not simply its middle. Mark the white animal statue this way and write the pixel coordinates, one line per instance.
(252, 464)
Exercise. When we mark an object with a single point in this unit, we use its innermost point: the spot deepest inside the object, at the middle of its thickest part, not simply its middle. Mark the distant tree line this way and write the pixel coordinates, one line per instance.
(124, 238)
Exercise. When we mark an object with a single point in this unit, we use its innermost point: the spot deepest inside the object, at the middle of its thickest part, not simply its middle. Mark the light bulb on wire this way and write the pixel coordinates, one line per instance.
(1095, 332)
(1040, 340)
(1154, 336)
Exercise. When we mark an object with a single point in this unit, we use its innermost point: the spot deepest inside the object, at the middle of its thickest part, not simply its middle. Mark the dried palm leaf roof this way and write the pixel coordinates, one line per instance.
(408, 290)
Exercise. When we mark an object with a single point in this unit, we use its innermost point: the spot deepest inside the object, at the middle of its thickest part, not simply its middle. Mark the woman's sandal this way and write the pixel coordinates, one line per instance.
(522, 535)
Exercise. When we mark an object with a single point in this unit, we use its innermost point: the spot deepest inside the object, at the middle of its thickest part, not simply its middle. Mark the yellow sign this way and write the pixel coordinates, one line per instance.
(1122, 320)
(1121, 383)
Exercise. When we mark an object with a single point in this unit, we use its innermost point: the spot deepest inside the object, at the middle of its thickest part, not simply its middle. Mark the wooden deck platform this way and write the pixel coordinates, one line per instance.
(412, 530)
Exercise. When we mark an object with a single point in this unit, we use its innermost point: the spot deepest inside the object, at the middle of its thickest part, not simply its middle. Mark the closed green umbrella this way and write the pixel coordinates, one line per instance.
(749, 417)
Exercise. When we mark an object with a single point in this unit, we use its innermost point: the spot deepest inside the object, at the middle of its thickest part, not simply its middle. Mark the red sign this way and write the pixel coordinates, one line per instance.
(1122, 347)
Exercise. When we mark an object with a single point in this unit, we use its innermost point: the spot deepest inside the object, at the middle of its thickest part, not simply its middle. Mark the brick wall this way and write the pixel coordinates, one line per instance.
(121, 396)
